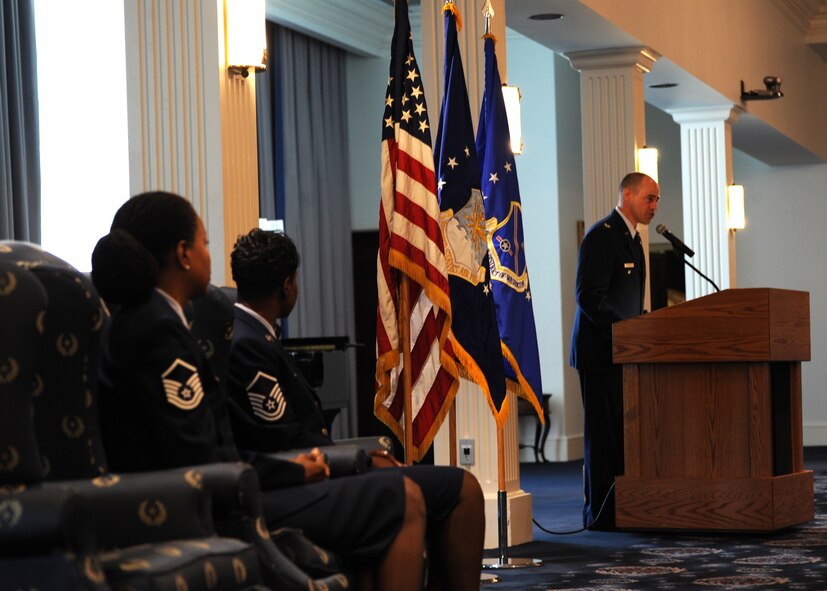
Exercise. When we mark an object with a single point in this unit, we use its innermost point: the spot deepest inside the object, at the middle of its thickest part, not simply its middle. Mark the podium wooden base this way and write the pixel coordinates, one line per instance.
(740, 504)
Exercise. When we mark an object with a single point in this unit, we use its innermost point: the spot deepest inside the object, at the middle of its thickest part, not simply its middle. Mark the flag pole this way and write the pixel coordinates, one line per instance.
(502, 561)
(405, 345)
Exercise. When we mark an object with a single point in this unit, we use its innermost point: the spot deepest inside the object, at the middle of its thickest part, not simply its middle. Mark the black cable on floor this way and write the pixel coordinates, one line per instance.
(582, 529)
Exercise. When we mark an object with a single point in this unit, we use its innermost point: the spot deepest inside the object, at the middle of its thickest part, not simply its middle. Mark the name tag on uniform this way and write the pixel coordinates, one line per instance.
(628, 265)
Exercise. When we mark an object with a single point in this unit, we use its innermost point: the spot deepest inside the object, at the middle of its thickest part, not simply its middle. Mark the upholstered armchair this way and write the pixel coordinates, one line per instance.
(86, 528)
(45, 538)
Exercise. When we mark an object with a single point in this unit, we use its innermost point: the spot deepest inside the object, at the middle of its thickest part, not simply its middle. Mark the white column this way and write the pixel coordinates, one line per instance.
(706, 171)
(474, 419)
(192, 127)
(613, 126)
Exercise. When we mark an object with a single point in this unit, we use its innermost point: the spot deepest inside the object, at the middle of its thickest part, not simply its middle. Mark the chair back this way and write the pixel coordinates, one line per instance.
(22, 310)
(65, 403)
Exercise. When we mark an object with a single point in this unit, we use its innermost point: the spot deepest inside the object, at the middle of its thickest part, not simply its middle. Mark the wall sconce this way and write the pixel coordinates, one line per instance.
(736, 220)
(245, 36)
(511, 96)
(647, 162)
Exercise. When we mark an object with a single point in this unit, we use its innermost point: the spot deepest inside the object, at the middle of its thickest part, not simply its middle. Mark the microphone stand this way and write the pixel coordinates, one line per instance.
(694, 268)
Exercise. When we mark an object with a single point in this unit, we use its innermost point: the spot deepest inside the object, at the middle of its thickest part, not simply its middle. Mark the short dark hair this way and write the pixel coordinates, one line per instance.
(126, 262)
(261, 261)
(632, 181)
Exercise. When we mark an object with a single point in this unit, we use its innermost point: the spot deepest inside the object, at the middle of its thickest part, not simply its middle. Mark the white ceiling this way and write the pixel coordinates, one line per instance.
(582, 29)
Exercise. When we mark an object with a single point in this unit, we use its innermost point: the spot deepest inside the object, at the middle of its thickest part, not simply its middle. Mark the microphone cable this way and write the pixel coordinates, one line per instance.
(582, 529)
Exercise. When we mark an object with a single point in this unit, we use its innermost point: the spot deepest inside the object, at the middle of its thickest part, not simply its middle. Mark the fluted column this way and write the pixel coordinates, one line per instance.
(706, 171)
(474, 420)
(613, 126)
(192, 127)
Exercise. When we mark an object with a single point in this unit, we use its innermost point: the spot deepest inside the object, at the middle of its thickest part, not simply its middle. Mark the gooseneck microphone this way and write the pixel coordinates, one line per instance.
(677, 244)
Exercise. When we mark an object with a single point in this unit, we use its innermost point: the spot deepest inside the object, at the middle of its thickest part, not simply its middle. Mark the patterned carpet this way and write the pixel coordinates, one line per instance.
(794, 559)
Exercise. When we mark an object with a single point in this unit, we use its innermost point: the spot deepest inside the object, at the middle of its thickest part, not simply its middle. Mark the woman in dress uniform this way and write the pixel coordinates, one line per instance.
(264, 267)
(160, 406)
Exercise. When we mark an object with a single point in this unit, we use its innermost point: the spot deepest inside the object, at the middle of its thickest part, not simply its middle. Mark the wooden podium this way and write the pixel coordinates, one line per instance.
(712, 413)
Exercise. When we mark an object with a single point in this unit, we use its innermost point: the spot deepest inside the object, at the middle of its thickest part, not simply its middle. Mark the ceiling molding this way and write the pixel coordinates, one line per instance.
(800, 12)
(363, 27)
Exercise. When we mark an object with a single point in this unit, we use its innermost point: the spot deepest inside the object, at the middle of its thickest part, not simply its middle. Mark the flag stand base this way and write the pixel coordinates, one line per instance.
(503, 561)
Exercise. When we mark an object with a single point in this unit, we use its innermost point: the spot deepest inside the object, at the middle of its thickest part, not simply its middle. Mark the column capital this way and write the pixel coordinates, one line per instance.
(714, 114)
(640, 58)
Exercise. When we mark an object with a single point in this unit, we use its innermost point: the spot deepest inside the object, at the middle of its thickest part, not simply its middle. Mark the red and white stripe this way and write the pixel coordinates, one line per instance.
(410, 242)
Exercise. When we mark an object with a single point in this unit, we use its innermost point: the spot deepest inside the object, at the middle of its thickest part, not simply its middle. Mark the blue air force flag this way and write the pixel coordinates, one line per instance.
(462, 219)
(506, 246)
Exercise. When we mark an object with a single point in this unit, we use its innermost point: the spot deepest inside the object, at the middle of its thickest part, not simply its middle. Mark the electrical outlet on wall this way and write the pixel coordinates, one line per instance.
(466, 452)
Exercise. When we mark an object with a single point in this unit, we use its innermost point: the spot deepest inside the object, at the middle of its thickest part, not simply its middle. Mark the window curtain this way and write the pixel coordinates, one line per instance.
(308, 158)
(19, 129)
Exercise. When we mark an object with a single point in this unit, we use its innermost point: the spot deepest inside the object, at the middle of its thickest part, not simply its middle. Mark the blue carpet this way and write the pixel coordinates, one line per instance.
(794, 558)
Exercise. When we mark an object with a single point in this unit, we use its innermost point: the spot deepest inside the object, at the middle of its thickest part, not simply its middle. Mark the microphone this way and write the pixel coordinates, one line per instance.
(677, 244)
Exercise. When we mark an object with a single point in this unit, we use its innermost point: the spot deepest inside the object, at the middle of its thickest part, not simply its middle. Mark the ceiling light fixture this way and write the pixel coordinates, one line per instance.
(547, 16)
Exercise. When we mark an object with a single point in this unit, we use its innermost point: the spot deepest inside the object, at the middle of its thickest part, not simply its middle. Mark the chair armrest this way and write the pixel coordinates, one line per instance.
(43, 519)
(147, 507)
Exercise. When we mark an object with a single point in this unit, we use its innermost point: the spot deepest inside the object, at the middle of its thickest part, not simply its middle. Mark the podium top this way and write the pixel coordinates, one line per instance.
(747, 325)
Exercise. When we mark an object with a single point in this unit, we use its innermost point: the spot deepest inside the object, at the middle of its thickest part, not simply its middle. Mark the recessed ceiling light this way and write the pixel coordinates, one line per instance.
(664, 85)
(547, 16)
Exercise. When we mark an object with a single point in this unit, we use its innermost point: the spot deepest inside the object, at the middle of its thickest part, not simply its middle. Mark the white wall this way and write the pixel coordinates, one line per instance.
(783, 246)
(664, 134)
(84, 157)
(367, 80)
(550, 173)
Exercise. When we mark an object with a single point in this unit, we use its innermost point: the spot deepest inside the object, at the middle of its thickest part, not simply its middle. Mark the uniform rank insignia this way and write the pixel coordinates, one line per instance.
(266, 397)
(182, 385)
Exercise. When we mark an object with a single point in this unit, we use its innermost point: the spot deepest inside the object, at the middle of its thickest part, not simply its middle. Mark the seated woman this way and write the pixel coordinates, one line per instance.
(160, 406)
(266, 383)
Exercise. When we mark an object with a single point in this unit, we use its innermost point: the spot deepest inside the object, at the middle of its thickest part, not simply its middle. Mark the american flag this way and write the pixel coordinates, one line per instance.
(410, 245)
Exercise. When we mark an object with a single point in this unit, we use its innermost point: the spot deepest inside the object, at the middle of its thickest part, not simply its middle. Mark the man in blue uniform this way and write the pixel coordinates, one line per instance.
(611, 278)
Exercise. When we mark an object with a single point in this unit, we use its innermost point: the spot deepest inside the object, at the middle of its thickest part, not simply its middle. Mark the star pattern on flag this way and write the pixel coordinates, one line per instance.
(486, 289)
(452, 162)
(399, 112)
(493, 178)
(441, 183)
(507, 167)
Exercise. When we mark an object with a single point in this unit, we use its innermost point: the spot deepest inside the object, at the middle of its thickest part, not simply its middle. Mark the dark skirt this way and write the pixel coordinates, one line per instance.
(358, 516)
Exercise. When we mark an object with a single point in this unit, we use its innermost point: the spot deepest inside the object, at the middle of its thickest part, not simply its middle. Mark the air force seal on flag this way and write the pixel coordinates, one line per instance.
(182, 385)
(266, 397)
